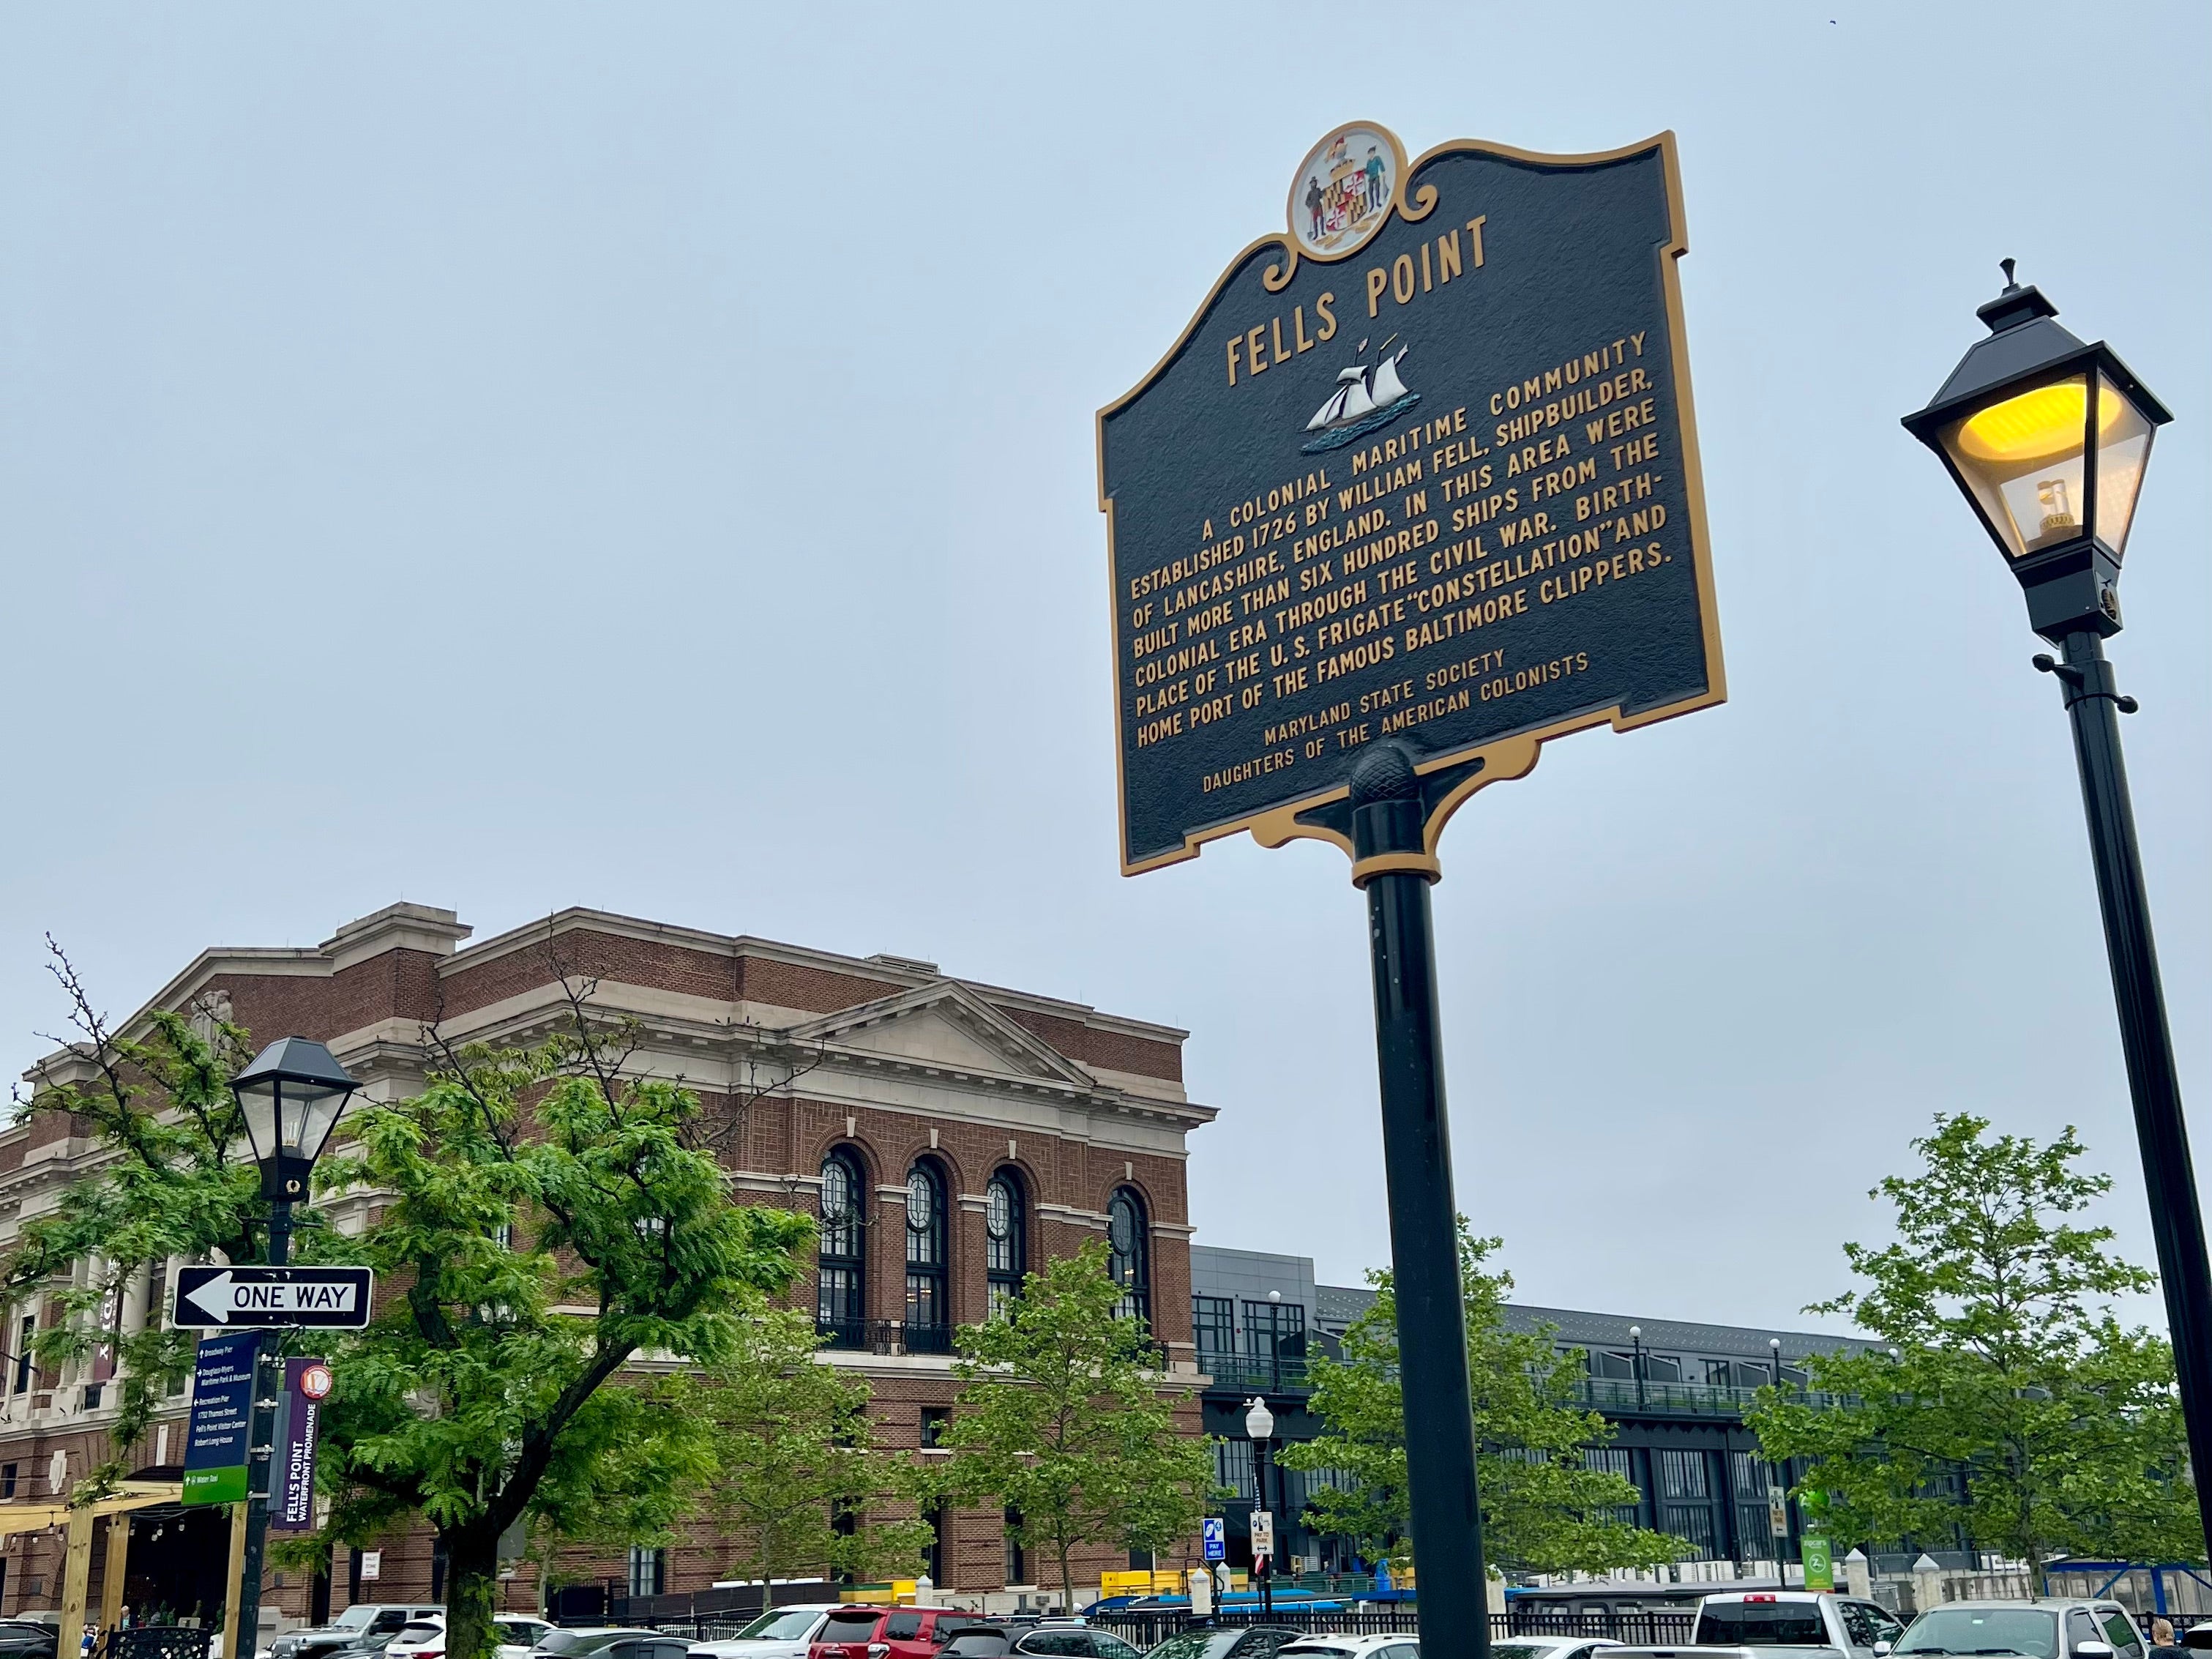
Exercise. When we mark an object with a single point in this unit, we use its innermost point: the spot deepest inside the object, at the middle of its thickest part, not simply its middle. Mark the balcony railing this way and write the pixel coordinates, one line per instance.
(884, 1336)
(1284, 1375)
(1621, 1394)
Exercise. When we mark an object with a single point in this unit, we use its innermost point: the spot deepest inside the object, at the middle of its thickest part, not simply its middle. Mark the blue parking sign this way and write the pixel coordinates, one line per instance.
(1216, 1547)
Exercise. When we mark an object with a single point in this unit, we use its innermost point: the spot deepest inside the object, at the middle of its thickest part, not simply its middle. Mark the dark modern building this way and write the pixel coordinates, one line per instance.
(1674, 1393)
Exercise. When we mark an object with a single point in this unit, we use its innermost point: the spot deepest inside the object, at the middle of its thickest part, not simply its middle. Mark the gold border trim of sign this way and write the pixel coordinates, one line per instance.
(1503, 759)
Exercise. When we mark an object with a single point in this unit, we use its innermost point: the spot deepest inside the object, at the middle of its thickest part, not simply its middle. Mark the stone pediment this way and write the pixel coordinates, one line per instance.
(944, 1024)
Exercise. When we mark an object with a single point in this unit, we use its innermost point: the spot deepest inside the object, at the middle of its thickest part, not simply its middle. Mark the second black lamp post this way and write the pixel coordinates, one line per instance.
(290, 1096)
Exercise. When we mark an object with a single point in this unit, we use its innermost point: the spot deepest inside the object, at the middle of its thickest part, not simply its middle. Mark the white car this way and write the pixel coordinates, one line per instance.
(518, 1633)
(779, 1633)
(419, 1638)
(1393, 1646)
(1550, 1647)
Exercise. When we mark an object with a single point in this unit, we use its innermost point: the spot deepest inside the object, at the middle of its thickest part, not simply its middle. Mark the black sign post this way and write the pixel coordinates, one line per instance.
(1416, 491)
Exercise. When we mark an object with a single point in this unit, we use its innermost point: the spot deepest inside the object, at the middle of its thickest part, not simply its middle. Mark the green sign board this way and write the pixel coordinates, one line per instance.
(1820, 1564)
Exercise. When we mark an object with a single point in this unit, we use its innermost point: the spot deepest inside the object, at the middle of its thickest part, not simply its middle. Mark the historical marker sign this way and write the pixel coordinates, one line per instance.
(232, 1297)
(1422, 470)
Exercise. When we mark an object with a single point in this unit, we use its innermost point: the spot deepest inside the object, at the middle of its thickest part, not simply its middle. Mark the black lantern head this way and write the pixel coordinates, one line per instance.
(2048, 438)
(291, 1095)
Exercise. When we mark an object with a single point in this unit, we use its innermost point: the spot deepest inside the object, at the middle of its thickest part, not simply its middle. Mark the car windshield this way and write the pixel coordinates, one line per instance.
(2030, 1631)
(1520, 1650)
(1194, 1644)
(786, 1625)
(420, 1630)
(357, 1618)
(1760, 1624)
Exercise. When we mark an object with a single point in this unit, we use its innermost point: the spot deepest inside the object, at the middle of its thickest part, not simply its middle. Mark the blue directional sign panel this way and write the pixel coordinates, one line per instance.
(221, 1431)
(1421, 471)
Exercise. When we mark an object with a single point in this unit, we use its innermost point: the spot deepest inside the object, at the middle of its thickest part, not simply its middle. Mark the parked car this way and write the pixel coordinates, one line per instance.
(419, 1638)
(518, 1633)
(1074, 1637)
(893, 1633)
(1393, 1645)
(977, 1642)
(1250, 1642)
(778, 1633)
(1551, 1647)
(1782, 1624)
(2059, 1629)
(588, 1641)
(25, 1639)
(363, 1629)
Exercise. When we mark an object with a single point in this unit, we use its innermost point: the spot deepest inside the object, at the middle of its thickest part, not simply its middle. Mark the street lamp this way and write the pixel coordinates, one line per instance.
(1636, 1363)
(2048, 438)
(290, 1097)
(1259, 1428)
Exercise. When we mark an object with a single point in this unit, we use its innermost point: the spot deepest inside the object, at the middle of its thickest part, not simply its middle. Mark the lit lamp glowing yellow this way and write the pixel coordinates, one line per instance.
(2048, 438)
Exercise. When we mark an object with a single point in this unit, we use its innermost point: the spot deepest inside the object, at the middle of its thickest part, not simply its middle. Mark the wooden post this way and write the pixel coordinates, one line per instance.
(76, 1579)
(235, 1576)
(111, 1575)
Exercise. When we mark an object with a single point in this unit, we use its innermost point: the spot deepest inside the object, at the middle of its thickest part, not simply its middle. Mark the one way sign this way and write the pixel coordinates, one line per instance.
(233, 1299)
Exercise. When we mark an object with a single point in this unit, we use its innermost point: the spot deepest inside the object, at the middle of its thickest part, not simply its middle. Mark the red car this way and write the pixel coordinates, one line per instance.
(892, 1632)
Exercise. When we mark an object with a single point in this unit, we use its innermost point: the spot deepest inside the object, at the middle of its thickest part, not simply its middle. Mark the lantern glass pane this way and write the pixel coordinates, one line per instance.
(2024, 458)
(257, 1102)
(2122, 451)
(310, 1115)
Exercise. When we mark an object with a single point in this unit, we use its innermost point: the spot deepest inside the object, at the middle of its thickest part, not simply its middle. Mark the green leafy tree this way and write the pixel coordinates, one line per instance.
(1544, 1509)
(173, 1180)
(1062, 1419)
(790, 1449)
(546, 1222)
(2011, 1372)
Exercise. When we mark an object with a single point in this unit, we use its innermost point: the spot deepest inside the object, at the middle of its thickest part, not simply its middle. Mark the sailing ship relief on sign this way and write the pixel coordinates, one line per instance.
(1422, 470)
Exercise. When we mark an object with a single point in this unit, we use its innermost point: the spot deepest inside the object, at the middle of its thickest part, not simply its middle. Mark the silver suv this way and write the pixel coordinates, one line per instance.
(2061, 1629)
(363, 1628)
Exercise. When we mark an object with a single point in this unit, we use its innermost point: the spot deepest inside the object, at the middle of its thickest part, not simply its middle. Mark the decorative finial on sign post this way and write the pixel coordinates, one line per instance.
(2006, 265)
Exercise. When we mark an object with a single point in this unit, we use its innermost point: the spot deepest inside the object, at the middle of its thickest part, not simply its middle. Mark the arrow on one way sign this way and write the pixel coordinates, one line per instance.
(235, 1297)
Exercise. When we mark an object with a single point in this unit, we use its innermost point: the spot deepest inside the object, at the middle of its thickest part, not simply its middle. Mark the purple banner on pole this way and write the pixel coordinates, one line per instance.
(292, 1504)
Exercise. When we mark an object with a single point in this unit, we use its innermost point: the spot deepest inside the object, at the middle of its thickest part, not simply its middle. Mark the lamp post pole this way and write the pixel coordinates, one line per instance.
(2094, 707)
(1453, 1584)
(1635, 1364)
(1260, 1429)
(268, 1373)
(290, 1098)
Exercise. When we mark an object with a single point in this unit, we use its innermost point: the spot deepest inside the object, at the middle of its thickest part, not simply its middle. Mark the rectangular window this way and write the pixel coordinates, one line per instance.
(1213, 1320)
(1615, 1459)
(1017, 1568)
(933, 1421)
(1603, 1364)
(1753, 1476)
(1232, 1467)
(1717, 1374)
(1275, 1330)
(648, 1571)
(157, 1296)
(1661, 1368)
(925, 1305)
(25, 1333)
(7, 1479)
(1682, 1475)
(1693, 1524)
(838, 1300)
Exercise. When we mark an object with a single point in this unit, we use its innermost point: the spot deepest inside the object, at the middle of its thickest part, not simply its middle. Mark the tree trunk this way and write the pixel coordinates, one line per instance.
(1066, 1580)
(471, 1587)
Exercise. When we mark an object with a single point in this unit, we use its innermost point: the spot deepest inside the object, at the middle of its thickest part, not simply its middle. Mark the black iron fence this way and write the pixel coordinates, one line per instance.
(156, 1641)
(885, 1336)
(1658, 1627)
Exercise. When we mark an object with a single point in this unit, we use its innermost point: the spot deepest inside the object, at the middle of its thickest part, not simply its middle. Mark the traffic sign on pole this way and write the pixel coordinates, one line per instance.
(1216, 1543)
(235, 1298)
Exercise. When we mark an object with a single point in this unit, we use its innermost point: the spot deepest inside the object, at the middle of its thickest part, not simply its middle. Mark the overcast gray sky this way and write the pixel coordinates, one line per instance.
(511, 456)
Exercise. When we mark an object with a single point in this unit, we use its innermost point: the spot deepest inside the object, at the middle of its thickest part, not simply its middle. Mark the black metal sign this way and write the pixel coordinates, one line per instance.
(1422, 470)
(243, 1297)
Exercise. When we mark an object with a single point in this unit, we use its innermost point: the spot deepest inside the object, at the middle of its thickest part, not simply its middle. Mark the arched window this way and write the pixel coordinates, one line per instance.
(1005, 1239)
(928, 1326)
(839, 1298)
(1129, 1254)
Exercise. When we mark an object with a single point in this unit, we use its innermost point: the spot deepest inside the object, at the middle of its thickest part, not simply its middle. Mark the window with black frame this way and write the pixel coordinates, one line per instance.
(1005, 1242)
(1275, 1338)
(1128, 1247)
(1214, 1325)
(928, 1322)
(841, 1268)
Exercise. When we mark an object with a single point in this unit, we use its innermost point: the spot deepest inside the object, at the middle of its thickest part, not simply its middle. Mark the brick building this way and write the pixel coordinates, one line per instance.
(959, 1132)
